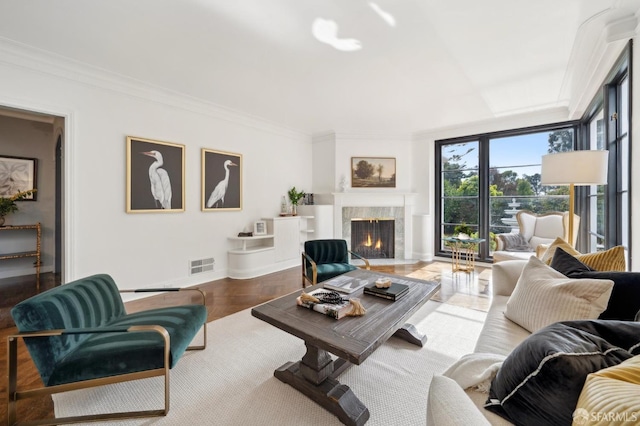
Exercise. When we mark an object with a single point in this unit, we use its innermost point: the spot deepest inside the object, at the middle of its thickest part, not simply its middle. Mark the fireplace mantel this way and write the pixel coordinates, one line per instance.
(367, 199)
(399, 205)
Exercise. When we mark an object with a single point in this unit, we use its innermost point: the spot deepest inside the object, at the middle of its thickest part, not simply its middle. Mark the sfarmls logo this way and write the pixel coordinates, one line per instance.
(584, 417)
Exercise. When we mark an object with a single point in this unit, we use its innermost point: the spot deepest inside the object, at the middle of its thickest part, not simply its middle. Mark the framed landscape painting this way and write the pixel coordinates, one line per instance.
(221, 180)
(373, 172)
(18, 174)
(155, 176)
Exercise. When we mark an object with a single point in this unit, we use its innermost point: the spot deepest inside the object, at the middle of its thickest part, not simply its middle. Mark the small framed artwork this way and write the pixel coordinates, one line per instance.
(260, 228)
(18, 174)
(221, 180)
(373, 172)
(155, 176)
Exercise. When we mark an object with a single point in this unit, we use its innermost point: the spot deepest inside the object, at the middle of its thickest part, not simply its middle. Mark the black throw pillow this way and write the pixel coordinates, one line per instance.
(567, 264)
(624, 302)
(540, 381)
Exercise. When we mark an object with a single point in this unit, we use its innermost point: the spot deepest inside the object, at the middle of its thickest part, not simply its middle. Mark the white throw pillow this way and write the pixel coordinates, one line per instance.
(543, 296)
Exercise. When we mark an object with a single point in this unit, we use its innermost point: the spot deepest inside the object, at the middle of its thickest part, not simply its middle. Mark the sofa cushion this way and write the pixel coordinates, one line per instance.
(540, 381)
(330, 270)
(107, 354)
(543, 296)
(611, 394)
(499, 334)
(624, 302)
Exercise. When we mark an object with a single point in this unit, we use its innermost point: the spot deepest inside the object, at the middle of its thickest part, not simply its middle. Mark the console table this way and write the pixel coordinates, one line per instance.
(33, 253)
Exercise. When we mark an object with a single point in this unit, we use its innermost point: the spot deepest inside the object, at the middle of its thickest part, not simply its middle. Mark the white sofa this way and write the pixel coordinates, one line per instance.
(448, 404)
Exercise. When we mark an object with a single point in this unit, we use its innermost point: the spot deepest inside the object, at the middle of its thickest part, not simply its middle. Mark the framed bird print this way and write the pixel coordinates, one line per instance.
(155, 176)
(221, 180)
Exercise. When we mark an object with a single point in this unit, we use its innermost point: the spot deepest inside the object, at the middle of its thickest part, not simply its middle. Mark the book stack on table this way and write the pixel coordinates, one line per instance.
(394, 292)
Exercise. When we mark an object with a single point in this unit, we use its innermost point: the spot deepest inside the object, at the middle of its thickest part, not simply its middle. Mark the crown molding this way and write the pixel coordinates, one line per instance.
(41, 61)
(496, 124)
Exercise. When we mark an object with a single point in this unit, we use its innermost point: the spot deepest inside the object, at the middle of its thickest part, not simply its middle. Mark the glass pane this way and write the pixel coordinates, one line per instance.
(460, 156)
(623, 114)
(460, 188)
(459, 210)
(596, 131)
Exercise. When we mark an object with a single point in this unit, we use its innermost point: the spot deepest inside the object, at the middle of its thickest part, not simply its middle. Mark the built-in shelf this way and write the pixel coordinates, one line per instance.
(279, 249)
(263, 243)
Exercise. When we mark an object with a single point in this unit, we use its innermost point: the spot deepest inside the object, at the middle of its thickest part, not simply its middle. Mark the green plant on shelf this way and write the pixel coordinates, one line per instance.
(295, 196)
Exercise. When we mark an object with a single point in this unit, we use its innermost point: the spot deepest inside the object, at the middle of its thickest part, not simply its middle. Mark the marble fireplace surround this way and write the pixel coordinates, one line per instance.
(375, 205)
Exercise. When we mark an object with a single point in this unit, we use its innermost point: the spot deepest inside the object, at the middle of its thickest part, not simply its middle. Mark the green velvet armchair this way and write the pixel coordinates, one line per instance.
(324, 259)
(79, 336)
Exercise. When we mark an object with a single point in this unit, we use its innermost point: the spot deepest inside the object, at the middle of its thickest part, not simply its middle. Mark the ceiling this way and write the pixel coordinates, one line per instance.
(444, 63)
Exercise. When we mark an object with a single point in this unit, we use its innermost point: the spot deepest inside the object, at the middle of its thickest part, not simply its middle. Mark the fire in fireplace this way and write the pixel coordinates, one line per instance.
(373, 238)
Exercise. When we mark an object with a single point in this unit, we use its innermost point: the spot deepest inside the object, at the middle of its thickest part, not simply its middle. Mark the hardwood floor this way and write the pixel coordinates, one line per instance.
(224, 297)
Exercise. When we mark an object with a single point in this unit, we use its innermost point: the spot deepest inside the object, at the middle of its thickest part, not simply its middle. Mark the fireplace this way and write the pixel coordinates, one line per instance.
(373, 238)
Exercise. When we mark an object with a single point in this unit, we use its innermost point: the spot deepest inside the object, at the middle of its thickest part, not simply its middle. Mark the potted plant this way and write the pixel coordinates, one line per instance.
(295, 196)
(8, 205)
(463, 231)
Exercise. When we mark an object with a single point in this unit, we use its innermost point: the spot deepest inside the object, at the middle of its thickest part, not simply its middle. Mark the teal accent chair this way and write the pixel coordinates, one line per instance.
(324, 259)
(79, 336)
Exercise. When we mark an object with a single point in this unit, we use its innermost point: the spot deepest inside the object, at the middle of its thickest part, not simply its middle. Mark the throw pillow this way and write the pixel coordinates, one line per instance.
(567, 264)
(607, 260)
(558, 242)
(540, 381)
(543, 296)
(611, 395)
(625, 295)
(514, 242)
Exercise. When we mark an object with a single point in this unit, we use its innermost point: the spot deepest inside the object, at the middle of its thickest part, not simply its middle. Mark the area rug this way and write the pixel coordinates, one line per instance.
(232, 382)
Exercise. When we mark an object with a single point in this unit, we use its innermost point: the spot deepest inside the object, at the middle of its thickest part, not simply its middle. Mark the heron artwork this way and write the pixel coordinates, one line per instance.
(160, 182)
(216, 199)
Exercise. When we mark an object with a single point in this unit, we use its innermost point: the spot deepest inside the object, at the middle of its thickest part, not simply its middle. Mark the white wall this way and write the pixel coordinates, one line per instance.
(153, 249)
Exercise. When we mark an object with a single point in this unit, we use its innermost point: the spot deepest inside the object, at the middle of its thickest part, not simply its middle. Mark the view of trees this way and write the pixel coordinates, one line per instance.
(460, 185)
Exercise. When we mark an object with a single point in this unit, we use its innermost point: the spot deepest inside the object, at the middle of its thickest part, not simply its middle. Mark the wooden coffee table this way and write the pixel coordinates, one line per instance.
(351, 339)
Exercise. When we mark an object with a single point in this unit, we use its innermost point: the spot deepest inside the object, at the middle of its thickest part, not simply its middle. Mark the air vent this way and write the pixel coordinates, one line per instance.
(201, 265)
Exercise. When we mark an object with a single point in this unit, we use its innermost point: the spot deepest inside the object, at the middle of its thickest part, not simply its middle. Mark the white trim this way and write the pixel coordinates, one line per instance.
(68, 153)
(24, 56)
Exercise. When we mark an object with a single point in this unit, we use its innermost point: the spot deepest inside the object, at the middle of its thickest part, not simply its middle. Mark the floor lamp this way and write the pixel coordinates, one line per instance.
(574, 168)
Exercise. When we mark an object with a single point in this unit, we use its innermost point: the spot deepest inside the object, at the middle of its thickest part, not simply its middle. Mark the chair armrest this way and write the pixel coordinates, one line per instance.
(159, 290)
(91, 330)
(505, 275)
(449, 405)
(366, 262)
(314, 269)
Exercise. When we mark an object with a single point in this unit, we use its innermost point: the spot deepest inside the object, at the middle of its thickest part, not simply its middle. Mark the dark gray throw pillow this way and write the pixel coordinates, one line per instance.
(540, 381)
(624, 302)
(515, 242)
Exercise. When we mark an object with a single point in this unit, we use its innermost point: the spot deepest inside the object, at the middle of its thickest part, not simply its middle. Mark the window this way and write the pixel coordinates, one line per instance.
(484, 181)
(606, 126)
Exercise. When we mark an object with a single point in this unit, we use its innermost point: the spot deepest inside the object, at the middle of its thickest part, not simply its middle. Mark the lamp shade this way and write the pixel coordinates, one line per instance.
(575, 167)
